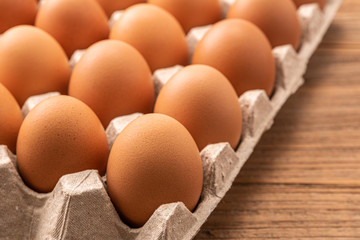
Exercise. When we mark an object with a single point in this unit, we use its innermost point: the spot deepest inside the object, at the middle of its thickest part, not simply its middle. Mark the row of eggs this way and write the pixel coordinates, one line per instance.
(113, 78)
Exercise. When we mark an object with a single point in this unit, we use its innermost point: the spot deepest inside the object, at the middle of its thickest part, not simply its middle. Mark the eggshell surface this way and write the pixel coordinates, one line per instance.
(61, 135)
(16, 12)
(153, 161)
(240, 51)
(191, 13)
(10, 119)
(277, 19)
(32, 62)
(74, 24)
(111, 6)
(113, 79)
(204, 101)
(155, 33)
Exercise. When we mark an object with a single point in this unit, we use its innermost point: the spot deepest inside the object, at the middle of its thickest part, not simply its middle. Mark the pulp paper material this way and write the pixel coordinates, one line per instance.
(161, 76)
(117, 125)
(114, 17)
(31, 102)
(76, 57)
(79, 206)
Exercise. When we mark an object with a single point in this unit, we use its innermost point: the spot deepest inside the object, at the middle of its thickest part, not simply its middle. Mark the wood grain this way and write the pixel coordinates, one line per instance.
(303, 179)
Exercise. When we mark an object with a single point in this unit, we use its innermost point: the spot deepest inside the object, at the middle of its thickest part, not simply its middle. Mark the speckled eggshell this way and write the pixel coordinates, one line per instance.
(203, 100)
(155, 33)
(113, 79)
(153, 161)
(192, 13)
(61, 135)
(298, 3)
(111, 6)
(10, 119)
(277, 19)
(16, 12)
(240, 51)
(74, 24)
(32, 62)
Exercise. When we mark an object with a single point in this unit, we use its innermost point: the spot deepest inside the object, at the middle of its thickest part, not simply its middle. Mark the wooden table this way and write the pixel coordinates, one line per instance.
(303, 179)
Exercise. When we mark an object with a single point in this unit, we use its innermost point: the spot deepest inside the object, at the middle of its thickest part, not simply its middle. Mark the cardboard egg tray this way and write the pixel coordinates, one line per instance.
(79, 206)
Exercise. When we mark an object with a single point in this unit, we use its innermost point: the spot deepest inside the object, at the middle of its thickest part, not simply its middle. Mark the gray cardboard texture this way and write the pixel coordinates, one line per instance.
(79, 206)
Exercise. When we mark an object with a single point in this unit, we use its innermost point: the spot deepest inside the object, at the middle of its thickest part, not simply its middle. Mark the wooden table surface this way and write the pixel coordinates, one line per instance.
(303, 179)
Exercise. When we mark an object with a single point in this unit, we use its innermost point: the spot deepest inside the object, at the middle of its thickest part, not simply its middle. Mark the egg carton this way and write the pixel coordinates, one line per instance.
(79, 206)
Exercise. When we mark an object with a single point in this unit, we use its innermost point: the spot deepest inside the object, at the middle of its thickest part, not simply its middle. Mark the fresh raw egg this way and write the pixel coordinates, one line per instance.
(32, 62)
(74, 24)
(240, 51)
(111, 6)
(203, 100)
(113, 79)
(298, 3)
(10, 119)
(277, 19)
(61, 135)
(153, 161)
(192, 13)
(155, 33)
(16, 12)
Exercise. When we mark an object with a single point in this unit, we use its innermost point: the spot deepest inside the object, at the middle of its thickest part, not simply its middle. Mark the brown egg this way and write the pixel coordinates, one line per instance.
(155, 33)
(16, 12)
(203, 100)
(61, 135)
(74, 24)
(111, 84)
(240, 51)
(10, 119)
(277, 19)
(298, 3)
(32, 62)
(153, 161)
(111, 6)
(192, 13)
